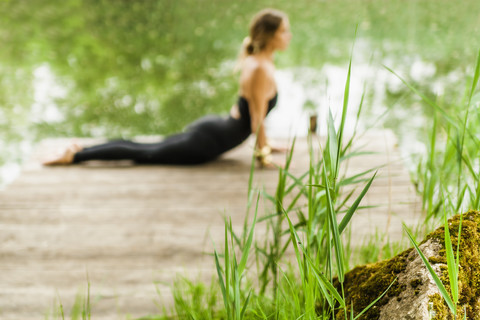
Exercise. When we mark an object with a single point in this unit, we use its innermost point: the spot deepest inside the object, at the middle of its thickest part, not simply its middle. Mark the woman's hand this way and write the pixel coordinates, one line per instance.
(265, 159)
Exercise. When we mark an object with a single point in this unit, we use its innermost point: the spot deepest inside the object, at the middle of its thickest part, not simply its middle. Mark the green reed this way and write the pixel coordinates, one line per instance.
(81, 309)
(451, 165)
(452, 264)
(447, 178)
(232, 272)
(310, 204)
(314, 200)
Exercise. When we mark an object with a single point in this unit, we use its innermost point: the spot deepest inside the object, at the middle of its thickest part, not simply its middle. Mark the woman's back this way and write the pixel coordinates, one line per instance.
(210, 136)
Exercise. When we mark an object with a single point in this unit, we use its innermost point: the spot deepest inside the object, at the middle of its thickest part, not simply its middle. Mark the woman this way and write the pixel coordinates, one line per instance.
(210, 136)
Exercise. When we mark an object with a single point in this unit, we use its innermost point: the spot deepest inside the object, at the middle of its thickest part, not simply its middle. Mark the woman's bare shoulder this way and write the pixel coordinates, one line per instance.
(256, 75)
(255, 68)
(251, 65)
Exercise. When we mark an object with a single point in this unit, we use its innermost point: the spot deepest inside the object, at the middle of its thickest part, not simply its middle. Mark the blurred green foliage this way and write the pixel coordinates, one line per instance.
(135, 67)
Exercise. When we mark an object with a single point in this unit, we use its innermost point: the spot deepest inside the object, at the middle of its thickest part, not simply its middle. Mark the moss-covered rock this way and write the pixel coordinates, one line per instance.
(414, 295)
(469, 273)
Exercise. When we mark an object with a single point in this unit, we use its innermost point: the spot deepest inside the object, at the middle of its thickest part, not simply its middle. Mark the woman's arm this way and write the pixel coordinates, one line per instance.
(260, 85)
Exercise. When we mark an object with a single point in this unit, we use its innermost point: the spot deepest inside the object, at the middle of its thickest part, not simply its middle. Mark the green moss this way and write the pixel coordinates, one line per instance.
(415, 283)
(437, 260)
(439, 311)
(365, 283)
(469, 273)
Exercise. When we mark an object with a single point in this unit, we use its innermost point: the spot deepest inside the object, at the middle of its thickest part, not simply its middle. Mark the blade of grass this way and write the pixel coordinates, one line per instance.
(323, 281)
(236, 288)
(346, 94)
(60, 306)
(335, 232)
(246, 249)
(294, 292)
(297, 181)
(332, 143)
(437, 280)
(452, 268)
(458, 245)
(228, 267)
(353, 208)
(475, 78)
(344, 201)
(358, 154)
(358, 177)
(244, 308)
(87, 314)
(250, 182)
(424, 98)
(295, 242)
(326, 287)
(221, 281)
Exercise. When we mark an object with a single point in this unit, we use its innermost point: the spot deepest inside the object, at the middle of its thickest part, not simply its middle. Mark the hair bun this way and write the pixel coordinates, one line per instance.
(248, 45)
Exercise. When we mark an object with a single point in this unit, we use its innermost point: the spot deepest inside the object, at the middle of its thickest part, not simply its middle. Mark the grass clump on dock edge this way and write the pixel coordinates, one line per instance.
(314, 290)
(305, 218)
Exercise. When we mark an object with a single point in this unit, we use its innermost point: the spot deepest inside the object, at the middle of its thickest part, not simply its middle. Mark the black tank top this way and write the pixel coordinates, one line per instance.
(245, 111)
(225, 133)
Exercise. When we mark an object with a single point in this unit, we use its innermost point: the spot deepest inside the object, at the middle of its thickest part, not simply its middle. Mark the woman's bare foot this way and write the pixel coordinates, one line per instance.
(65, 158)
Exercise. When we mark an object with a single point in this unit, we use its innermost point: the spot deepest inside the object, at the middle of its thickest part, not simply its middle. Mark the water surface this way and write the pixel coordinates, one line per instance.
(120, 69)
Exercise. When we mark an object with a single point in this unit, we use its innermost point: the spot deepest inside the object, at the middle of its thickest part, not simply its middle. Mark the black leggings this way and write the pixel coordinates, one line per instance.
(191, 147)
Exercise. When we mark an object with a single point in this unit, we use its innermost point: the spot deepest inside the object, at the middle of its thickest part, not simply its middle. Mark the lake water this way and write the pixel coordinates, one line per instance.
(120, 69)
(303, 91)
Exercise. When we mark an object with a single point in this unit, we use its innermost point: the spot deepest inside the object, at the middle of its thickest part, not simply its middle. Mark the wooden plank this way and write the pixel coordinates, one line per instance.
(133, 228)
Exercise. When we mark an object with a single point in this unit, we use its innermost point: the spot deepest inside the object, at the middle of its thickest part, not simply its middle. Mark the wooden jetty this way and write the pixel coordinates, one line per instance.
(131, 230)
